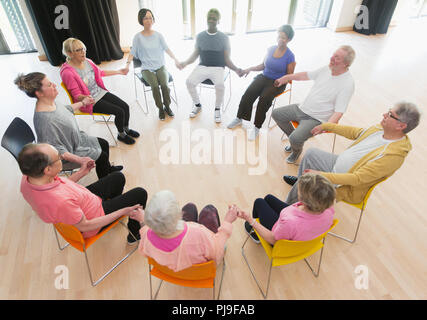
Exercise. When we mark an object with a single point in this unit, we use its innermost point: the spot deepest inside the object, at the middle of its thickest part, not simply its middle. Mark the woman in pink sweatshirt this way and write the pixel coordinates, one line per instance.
(301, 221)
(83, 78)
(179, 244)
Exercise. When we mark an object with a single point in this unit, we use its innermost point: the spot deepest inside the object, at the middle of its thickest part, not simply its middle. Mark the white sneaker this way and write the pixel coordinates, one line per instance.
(236, 122)
(217, 115)
(253, 133)
(195, 111)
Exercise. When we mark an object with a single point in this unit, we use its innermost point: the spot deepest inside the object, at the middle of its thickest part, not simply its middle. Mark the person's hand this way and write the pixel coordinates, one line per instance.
(244, 215)
(311, 171)
(280, 82)
(123, 71)
(240, 72)
(231, 214)
(246, 72)
(84, 160)
(178, 65)
(88, 100)
(87, 166)
(317, 130)
(136, 213)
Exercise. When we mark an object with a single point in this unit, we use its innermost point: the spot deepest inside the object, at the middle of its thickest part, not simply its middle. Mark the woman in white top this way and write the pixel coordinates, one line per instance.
(149, 46)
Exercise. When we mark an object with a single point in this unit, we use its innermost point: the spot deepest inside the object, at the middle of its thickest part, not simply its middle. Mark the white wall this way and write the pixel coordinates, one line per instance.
(343, 15)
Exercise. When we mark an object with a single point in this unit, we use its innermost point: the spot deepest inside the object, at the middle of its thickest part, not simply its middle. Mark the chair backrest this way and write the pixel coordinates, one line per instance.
(68, 93)
(136, 63)
(289, 251)
(363, 203)
(194, 276)
(16, 136)
(71, 234)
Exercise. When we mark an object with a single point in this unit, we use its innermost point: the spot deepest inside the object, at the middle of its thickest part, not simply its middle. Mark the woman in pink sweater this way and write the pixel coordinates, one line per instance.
(301, 221)
(83, 78)
(179, 244)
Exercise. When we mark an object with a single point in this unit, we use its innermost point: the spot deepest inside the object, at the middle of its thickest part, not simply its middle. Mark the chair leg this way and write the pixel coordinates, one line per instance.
(316, 273)
(94, 283)
(136, 97)
(222, 277)
(176, 97)
(355, 235)
(57, 240)
(109, 129)
(271, 114)
(225, 106)
(253, 275)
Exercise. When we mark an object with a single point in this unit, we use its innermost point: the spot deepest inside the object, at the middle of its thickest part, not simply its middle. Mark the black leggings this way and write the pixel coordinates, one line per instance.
(103, 166)
(268, 210)
(110, 189)
(111, 104)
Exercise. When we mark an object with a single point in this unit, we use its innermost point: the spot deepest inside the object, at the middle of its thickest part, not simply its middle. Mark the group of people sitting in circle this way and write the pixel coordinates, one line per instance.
(176, 236)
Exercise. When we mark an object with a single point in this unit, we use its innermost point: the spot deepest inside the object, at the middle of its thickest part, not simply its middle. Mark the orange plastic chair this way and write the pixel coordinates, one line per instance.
(74, 237)
(197, 276)
(79, 113)
(275, 98)
(295, 124)
(287, 251)
(361, 205)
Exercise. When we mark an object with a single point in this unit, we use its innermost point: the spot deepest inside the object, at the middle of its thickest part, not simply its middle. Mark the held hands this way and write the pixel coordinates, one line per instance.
(244, 215)
(317, 130)
(179, 65)
(280, 82)
(136, 213)
(240, 72)
(231, 214)
(88, 100)
(87, 165)
(124, 71)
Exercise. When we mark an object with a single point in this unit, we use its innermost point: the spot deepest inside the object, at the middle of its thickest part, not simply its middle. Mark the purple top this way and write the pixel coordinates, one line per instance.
(277, 67)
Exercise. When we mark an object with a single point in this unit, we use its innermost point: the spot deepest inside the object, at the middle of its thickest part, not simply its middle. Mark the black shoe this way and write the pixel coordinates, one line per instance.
(132, 133)
(131, 239)
(250, 231)
(116, 168)
(169, 111)
(162, 114)
(291, 180)
(126, 139)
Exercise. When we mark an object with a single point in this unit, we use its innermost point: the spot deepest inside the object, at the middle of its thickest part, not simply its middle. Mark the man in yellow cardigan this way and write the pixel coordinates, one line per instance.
(376, 153)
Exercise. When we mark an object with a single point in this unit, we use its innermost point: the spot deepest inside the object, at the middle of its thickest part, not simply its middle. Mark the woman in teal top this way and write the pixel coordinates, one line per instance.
(149, 46)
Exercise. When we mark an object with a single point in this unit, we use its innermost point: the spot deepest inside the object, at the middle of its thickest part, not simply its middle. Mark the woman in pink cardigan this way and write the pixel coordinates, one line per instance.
(178, 244)
(84, 79)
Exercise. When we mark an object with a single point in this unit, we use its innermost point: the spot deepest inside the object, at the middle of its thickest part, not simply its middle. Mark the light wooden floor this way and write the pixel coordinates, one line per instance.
(392, 238)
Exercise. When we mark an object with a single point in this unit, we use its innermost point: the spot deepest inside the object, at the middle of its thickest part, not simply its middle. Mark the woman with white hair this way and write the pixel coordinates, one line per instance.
(84, 79)
(173, 237)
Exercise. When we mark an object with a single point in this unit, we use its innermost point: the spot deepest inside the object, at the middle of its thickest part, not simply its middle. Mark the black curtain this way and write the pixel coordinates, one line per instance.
(380, 14)
(95, 22)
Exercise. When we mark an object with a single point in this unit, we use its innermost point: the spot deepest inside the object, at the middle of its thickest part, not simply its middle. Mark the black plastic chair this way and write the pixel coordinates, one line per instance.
(137, 74)
(16, 136)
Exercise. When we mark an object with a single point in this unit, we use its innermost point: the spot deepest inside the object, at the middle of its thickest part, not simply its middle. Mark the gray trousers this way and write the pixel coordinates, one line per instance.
(315, 159)
(283, 117)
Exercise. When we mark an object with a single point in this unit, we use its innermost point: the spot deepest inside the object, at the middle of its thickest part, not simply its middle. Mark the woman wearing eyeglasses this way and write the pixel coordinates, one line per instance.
(149, 47)
(84, 79)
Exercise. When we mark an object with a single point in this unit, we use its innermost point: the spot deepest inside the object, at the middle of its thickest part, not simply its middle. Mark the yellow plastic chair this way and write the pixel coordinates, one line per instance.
(361, 206)
(287, 251)
(75, 238)
(197, 276)
(274, 101)
(103, 115)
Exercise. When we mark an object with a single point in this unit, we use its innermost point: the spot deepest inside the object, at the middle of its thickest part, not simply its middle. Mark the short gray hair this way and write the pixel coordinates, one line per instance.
(351, 54)
(162, 213)
(316, 192)
(409, 114)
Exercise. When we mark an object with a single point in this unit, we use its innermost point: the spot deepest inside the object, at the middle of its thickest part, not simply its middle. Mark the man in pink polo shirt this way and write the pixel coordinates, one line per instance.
(62, 200)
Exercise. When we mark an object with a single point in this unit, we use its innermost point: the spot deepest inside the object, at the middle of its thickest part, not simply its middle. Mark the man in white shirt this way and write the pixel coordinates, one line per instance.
(326, 102)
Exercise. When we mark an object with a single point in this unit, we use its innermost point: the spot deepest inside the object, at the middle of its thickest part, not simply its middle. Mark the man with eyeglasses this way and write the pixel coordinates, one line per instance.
(63, 200)
(376, 153)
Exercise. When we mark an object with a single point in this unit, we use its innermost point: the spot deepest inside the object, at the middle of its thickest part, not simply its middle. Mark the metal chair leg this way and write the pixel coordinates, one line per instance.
(253, 275)
(136, 96)
(222, 277)
(57, 240)
(176, 97)
(109, 129)
(355, 235)
(316, 273)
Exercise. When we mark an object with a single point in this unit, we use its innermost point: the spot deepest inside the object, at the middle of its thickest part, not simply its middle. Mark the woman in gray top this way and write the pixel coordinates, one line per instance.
(55, 124)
